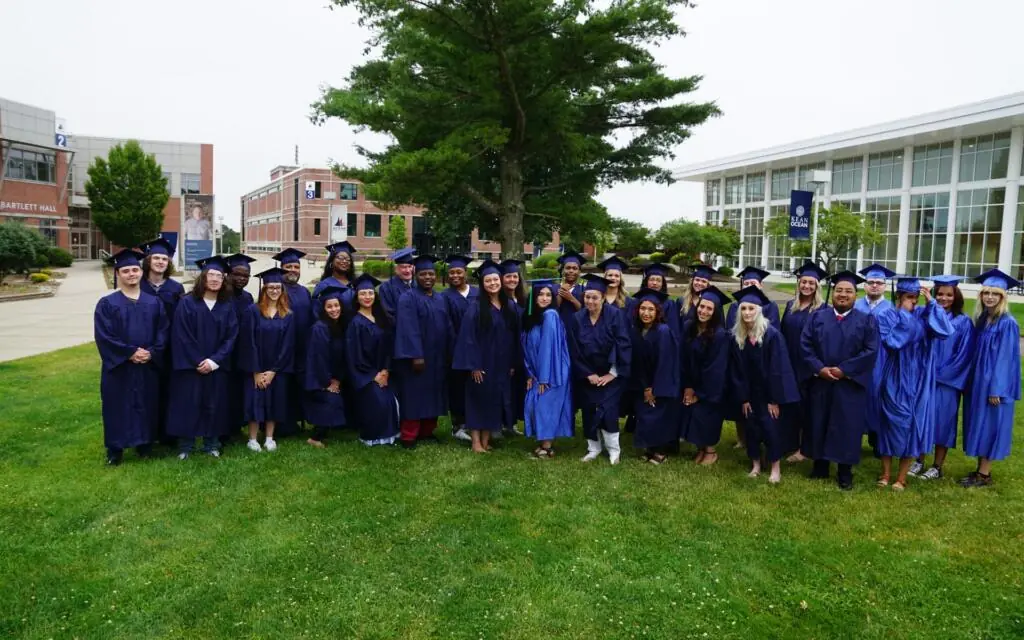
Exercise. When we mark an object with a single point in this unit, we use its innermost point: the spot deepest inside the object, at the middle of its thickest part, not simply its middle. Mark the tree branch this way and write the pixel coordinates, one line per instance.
(505, 70)
(446, 16)
(479, 199)
(541, 215)
(547, 187)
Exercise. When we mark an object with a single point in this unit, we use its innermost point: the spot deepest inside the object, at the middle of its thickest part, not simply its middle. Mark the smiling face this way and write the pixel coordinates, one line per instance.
(366, 298)
(197, 213)
(647, 312)
(545, 298)
(990, 298)
(425, 279)
(273, 291)
(510, 281)
(491, 284)
(570, 272)
(699, 284)
(614, 277)
(808, 286)
(593, 299)
(342, 262)
(214, 280)
(332, 307)
(292, 271)
(705, 309)
(944, 296)
(130, 276)
(158, 263)
(748, 312)
(239, 277)
(404, 271)
(456, 277)
(843, 295)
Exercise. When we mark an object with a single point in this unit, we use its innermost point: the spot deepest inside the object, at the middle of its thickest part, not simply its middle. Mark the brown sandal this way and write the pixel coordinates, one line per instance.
(710, 458)
(657, 458)
(883, 481)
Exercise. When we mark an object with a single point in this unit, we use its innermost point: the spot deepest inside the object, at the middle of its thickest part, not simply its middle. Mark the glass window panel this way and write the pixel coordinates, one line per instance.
(371, 228)
(351, 229)
(941, 220)
(945, 169)
(994, 221)
(966, 167)
(1000, 159)
(975, 248)
(983, 165)
(939, 250)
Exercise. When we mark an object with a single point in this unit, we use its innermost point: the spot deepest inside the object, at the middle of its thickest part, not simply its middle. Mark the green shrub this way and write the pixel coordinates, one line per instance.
(41, 261)
(47, 270)
(637, 261)
(542, 274)
(546, 261)
(59, 257)
(39, 278)
(377, 268)
(680, 260)
(658, 256)
(725, 271)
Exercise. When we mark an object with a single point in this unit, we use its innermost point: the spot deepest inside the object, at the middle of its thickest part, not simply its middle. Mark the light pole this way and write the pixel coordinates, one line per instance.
(815, 178)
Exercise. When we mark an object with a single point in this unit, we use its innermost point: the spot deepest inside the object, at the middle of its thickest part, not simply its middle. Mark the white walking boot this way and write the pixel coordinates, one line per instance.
(611, 440)
(593, 450)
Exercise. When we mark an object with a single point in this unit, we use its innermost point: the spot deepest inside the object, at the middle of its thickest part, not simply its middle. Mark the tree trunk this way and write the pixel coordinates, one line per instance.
(511, 210)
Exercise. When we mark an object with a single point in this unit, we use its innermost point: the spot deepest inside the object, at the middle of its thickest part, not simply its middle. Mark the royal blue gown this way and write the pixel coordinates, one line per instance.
(593, 350)
(199, 403)
(704, 367)
(130, 392)
(874, 408)
(301, 304)
(267, 344)
(423, 330)
(952, 358)
(457, 305)
(325, 361)
(546, 359)
(496, 352)
(793, 323)
(655, 365)
(761, 375)
(995, 372)
(837, 409)
(237, 377)
(908, 379)
(391, 290)
(368, 352)
(169, 293)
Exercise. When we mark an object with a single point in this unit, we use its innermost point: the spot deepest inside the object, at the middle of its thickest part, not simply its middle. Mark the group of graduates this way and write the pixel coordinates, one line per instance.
(388, 359)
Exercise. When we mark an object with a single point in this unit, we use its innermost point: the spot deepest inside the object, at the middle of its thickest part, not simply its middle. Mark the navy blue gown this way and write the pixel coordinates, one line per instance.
(325, 361)
(199, 403)
(704, 368)
(565, 309)
(457, 305)
(368, 352)
(594, 349)
(423, 330)
(656, 365)
(301, 305)
(769, 311)
(267, 344)
(347, 296)
(169, 293)
(391, 290)
(796, 415)
(130, 392)
(495, 351)
(237, 377)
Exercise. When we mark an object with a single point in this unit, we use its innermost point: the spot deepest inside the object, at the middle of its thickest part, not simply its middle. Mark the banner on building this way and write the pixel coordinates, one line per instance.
(197, 229)
(800, 214)
(339, 222)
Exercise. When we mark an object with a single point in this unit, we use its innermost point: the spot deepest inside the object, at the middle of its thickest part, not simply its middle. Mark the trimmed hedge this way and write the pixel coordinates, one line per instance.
(680, 260)
(61, 258)
(39, 278)
(657, 256)
(725, 271)
(546, 261)
(379, 269)
(542, 274)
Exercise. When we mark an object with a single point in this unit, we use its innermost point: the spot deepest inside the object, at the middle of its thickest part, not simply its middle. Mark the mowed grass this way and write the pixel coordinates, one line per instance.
(351, 542)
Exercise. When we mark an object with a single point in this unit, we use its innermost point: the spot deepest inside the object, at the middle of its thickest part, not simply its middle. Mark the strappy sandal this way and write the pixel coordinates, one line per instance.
(700, 457)
(882, 482)
(899, 486)
(656, 459)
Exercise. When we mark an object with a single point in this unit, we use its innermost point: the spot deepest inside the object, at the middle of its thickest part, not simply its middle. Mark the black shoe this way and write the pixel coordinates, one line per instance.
(407, 444)
(969, 480)
(816, 474)
(145, 451)
(113, 461)
(845, 484)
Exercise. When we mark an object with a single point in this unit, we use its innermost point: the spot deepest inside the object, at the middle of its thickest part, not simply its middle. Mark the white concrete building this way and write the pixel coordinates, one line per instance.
(944, 188)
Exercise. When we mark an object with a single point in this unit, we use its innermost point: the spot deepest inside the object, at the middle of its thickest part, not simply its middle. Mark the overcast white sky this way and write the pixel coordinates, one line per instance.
(241, 75)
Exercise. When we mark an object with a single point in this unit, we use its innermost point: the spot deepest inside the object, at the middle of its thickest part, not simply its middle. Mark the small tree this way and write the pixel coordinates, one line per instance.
(840, 233)
(631, 237)
(680, 237)
(19, 248)
(230, 240)
(719, 242)
(396, 233)
(127, 194)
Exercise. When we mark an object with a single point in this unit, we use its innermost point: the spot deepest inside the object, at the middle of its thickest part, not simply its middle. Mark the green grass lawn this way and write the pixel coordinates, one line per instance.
(383, 543)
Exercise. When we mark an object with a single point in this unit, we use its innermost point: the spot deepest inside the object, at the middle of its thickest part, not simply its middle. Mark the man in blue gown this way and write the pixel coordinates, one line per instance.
(239, 271)
(839, 347)
(156, 281)
(302, 307)
(570, 292)
(399, 284)
(131, 330)
(873, 303)
(458, 296)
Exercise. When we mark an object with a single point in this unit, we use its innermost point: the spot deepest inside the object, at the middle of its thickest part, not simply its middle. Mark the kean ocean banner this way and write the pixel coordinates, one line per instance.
(800, 214)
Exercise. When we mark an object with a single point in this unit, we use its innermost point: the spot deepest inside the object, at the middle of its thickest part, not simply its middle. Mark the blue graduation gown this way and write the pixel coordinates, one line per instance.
(704, 367)
(770, 311)
(995, 371)
(347, 296)
(301, 304)
(874, 410)
(494, 351)
(837, 409)
(761, 375)
(691, 313)
(237, 377)
(169, 293)
(908, 379)
(129, 392)
(796, 415)
(368, 352)
(594, 348)
(546, 360)
(325, 361)
(952, 360)
(457, 305)
(565, 309)
(266, 344)
(199, 403)
(422, 330)
(391, 290)
(655, 365)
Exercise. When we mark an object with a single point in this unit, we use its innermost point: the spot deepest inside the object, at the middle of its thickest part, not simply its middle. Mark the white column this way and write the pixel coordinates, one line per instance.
(954, 179)
(908, 176)
(767, 213)
(1010, 206)
(743, 216)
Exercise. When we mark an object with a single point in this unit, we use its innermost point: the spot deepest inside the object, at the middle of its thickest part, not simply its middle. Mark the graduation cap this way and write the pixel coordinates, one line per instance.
(127, 258)
(273, 275)
(510, 266)
(158, 247)
(457, 261)
(714, 294)
(845, 276)
(810, 270)
(998, 279)
(330, 292)
(487, 268)
(238, 260)
(403, 256)
(572, 256)
(877, 272)
(424, 263)
(656, 269)
(614, 262)
(364, 282)
(650, 295)
(216, 263)
(340, 247)
(703, 271)
(753, 273)
(597, 283)
(289, 256)
(908, 284)
(752, 295)
(950, 281)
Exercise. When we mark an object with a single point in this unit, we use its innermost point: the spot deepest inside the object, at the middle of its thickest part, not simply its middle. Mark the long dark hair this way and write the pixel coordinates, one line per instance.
(536, 315)
(380, 315)
(335, 327)
(146, 268)
(664, 282)
(483, 318)
(520, 290)
(659, 315)
(199, 288)
(714, 322)
(957, 308)
(329, 267)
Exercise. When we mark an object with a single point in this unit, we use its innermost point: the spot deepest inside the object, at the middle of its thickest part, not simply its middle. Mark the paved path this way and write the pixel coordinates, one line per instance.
(31, 327)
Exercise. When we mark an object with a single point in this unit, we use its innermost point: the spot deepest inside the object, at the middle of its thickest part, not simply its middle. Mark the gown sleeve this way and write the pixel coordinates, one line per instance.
(552, 360)
(163, 332)
(623, 351)
(318, 358)
(956, 364)
(737, 374)
(248, 354)
(286, 353)
(899, 328)
(859, 367)
(939, 325)
(468, 356)
(666, 370)
(781, 381)
(223, 353)
(1004, 381)
(113, 351)
(360, 363)
(408, 341)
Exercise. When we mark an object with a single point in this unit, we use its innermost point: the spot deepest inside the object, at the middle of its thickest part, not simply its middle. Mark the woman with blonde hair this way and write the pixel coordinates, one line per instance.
(688, 302)
(616, 294)
(267, 353)
(806, 300)
(994, 379)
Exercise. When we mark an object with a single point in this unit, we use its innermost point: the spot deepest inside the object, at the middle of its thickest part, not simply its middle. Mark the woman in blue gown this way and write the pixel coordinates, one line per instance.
(515, 290)
(952, 360)
(704, 371)
(302, 308)
(459, 295)
(872, 304)
(549, 413)
(763, 381)
(266, 341)
(600, 351)
(806, 300)
(339, 271)
(131, 332)
(994, 382)
(203, 335)
(655, 377)
(907, 332)
(754, 277)
(325, 366)
(656, 279)
(488, 348)
(687, 303)
(368, 349)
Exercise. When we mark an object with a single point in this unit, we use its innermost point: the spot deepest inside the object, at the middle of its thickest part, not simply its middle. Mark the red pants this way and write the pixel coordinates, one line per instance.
(414, 429)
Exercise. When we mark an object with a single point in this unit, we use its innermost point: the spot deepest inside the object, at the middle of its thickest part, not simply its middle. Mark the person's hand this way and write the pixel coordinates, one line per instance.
(747, 410)
(257, 379)
(541, 388)
(594, 380)
(137, 356)
(837, 373)
(529, 383)
(268, 377)
(478, 376)
(334, 386)
(564, 292)
(605, 380)
(204, 367)
(773, 410)
(419, 365)
(927, 294)
(511, 372)
(826, 373)
(649, 396)
(381, 378)
(689, 397)
(994, 401)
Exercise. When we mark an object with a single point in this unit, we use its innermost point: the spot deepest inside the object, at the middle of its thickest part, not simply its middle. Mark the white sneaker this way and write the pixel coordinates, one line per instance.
(611, 441)
(182, 456)
(214, 453)
(916, 468)
(270, 444)
(593, 450)
(254, 445)
(463, 434)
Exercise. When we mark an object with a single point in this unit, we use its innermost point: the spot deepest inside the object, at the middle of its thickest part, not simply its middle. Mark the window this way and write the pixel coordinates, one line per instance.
(782, 183)
(317, 190)
(886, 214)
(979, 221)
(371, 225)
(849, 261)
(984, 158)
(48, 229)
(732, 220)
(31, 165)
(189, 183)
(734, 190)
(885, 171)
(1018, 250)
(711, 217)
(755, 188)
(350, 225)
(933, 165)
(805, 177)
(167, 177)
(753, 233)
(779, 257)
(712, 193)
(926, 240)
(846, 175)
(316, 227)
(419, 225)
(349, 191)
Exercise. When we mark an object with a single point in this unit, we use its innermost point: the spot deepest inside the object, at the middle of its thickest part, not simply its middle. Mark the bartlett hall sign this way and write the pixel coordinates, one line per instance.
(27, 207)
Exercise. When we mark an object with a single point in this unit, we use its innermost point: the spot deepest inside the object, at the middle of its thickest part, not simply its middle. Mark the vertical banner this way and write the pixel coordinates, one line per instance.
(198, 229)
(339, 220)
(800, 214)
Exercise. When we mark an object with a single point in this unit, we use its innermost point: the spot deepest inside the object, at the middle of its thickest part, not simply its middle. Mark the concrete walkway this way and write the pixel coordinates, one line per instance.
(31, 327)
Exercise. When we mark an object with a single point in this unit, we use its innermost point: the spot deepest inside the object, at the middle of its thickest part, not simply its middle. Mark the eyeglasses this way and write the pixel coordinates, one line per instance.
(876, 283)
(213, 275)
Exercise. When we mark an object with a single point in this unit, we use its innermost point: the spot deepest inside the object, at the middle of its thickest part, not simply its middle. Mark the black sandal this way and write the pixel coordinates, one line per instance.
(658, 458)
